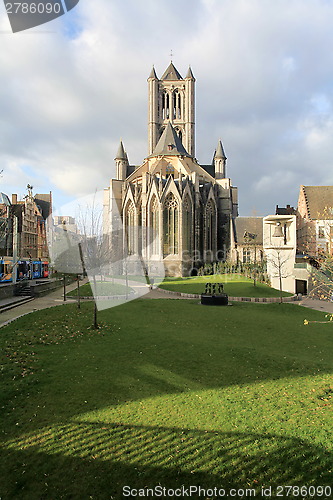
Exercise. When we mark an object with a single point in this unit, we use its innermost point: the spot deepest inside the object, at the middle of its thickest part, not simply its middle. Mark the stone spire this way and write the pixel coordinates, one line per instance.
(219, 154)
(190, 74)
(153, 74)
(121, 160)
(121, 153)
(220, 161)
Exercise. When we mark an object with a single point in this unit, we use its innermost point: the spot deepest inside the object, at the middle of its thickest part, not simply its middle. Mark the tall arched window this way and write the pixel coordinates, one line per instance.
(210, 225)
(170, 226)
(130, 228)
(179, 107)
(154, 230)
(201, 231)
(187, 223)
(167, 106)
(163, 105)
(176, 105)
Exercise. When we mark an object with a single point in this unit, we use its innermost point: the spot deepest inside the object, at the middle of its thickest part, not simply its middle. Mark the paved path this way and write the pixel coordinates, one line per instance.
(52, 299)
(56, 298)
(319, 305)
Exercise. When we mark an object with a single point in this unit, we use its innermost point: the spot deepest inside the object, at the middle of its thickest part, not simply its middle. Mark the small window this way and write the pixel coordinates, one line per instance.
(321, 232)
(246, 255)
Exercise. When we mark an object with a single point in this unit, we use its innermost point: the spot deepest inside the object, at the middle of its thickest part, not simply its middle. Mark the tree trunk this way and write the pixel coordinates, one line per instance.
(78, 293)
(95, 316)
(95, 307)
(280, 278)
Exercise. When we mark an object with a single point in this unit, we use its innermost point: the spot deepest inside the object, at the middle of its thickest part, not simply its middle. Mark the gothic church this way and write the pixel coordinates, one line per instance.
(170, 208)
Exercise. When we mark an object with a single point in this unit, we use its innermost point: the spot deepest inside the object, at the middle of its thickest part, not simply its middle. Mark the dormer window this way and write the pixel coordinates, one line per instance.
(170, 147)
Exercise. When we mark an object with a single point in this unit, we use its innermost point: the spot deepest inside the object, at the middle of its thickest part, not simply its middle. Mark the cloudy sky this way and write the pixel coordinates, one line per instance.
(70, 89)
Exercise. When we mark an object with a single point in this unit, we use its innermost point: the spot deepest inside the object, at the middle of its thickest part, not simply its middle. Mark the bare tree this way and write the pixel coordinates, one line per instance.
(278, 262)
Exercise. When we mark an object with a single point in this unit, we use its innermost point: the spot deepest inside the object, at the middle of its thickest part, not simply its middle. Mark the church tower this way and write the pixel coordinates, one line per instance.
(171, 99)
(170, 211)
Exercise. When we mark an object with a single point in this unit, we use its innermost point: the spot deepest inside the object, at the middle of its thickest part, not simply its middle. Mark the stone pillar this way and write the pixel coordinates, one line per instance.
(152, 112)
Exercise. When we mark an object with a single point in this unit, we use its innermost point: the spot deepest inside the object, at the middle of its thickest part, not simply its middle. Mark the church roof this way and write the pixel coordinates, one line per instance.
(319, 201)
(249, 230)
(210, 169)
(130, 170)
(121, 154)
(169, 144)
(171, 73)
(219, 153)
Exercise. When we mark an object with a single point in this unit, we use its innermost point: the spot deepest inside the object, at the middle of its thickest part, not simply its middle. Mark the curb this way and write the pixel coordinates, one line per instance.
(293, 298)
(101, 297)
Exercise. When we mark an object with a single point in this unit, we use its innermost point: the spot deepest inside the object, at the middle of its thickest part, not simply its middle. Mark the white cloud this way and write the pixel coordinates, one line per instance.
(263, 85)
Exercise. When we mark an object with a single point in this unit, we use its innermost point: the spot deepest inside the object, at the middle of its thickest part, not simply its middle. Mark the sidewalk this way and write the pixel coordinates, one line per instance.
(318, 305)
(55, 298)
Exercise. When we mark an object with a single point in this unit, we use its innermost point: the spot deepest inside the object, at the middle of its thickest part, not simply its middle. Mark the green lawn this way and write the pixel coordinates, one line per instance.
(166, 392)
(103, 288)
(235, 285)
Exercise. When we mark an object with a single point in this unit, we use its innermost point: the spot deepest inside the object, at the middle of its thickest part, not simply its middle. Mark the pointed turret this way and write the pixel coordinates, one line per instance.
(219, 154)
(121, 153)
(169, 144)
(171, 73)
(190, 74)
(121, 160)
(219, 161)
(153, 74)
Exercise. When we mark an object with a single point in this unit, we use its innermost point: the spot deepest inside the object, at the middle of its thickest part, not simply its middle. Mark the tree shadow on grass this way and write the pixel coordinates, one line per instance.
(153, 348)
(83, 460)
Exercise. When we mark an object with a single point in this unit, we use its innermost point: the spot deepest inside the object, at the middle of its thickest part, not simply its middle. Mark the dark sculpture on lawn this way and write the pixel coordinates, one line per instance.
(214, 295)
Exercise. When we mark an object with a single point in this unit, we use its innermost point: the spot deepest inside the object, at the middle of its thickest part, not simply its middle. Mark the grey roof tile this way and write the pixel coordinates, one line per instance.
(247, 227)
(319, 201)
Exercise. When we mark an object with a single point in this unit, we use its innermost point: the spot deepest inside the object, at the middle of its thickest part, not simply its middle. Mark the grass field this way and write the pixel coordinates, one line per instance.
(165, 392)
(235, 285)
(103, 288)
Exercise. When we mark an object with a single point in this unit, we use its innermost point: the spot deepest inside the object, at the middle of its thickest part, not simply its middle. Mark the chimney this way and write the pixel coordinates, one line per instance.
(14, 199)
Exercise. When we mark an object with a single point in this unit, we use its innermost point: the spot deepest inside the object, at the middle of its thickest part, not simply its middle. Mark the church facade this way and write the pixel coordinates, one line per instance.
(170, 208)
